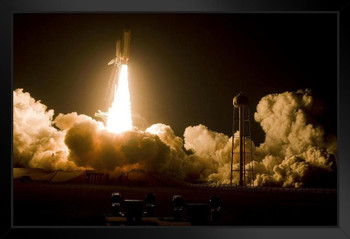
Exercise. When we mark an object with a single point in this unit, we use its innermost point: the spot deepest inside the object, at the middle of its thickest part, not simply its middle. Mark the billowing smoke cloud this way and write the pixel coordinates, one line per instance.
(214, 151)
(90, 145)
(73, 141)
(294, 154)
(36, 143)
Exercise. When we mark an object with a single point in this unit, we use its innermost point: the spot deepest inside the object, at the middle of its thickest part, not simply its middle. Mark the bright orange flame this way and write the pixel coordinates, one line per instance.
(119, 115)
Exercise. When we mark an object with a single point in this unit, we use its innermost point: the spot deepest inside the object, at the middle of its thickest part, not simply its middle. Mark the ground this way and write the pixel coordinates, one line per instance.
(40, 204)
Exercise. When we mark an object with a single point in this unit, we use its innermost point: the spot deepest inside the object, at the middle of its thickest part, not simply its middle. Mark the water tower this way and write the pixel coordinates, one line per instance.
(241, 136)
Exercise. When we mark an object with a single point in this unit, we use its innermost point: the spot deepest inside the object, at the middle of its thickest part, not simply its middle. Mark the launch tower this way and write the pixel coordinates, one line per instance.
(241, 136)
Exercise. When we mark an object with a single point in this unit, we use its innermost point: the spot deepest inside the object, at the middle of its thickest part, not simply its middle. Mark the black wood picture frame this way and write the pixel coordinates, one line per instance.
(340, 8)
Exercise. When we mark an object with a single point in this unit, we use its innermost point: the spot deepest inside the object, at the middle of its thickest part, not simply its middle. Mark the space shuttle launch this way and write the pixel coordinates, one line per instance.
(118, 117)
(122, 50)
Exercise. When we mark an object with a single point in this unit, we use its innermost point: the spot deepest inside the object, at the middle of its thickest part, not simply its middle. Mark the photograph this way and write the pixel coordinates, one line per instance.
(175, 119)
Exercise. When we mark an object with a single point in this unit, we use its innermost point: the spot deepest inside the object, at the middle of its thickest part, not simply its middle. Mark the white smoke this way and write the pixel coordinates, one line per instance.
(36, 143)
(295, 153)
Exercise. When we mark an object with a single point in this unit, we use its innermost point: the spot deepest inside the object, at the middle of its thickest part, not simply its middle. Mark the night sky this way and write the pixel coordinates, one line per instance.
(184, 69)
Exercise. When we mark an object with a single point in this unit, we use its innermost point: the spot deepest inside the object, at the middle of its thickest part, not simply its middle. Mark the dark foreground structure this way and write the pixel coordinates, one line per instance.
(76, 204)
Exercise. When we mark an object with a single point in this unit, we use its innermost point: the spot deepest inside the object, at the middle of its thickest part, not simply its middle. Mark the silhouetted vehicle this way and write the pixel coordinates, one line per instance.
(197, 213)
(215, 208)
(116, 200)
(178, 206)
(133, 211)
(150, 203)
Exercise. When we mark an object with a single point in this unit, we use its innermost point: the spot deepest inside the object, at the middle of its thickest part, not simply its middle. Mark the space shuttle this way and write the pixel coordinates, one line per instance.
(122, 50)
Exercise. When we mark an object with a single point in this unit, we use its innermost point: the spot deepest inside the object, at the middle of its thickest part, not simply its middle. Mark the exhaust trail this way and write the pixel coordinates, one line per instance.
(119, 115)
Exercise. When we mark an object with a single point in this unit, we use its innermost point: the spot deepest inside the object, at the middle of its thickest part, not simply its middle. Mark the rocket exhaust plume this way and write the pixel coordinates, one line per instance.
(118, 117)
(119, 114)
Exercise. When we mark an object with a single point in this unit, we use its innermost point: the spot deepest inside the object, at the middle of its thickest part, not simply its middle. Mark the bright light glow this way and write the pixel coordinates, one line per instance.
(154, 129)
(119, 115)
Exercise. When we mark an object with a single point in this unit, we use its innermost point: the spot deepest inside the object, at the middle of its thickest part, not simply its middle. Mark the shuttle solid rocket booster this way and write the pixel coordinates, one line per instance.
(122, 50)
